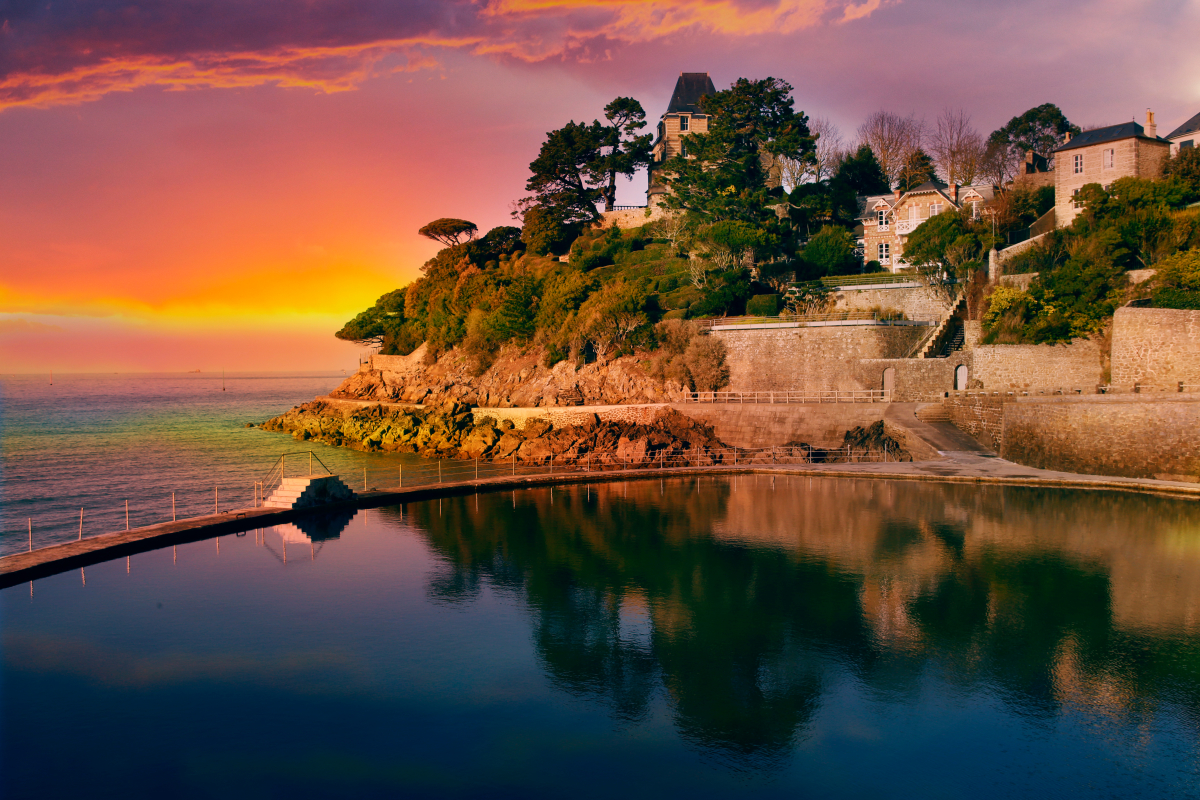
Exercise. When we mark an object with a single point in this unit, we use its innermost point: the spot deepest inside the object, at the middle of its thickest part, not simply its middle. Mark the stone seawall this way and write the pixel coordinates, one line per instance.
(1106, 435)
(811, 358)
(1157, 347)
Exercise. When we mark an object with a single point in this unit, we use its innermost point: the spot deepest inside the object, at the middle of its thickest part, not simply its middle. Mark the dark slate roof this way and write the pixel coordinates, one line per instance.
(690, 87)
(1113, 133)
(928, 186)
(1191, 126)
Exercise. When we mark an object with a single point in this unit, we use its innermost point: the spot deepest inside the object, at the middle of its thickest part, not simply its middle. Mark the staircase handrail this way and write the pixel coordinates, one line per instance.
(276, 473)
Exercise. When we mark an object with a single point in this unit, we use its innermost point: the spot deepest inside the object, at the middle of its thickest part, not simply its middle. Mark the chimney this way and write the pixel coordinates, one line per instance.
(1066, 137)
(1151, 128)
(952, 190)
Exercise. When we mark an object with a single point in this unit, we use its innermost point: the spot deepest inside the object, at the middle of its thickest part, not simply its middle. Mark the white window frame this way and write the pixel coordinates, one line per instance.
(1075, 200)
(934, 209)
(683, 123)
(974, 209)
(885, 251)
(1079, 163)
(882, 217)
(1110, 158)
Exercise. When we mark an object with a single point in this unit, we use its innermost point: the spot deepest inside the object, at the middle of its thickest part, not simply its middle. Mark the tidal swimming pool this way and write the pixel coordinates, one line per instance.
(708, 637)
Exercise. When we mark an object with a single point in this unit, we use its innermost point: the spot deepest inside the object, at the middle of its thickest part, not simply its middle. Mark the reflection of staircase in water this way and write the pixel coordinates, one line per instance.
(313, 529)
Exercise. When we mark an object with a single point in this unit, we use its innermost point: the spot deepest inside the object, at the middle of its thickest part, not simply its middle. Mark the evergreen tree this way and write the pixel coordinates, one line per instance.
(918, 169)
(627, 150)
(726, 171)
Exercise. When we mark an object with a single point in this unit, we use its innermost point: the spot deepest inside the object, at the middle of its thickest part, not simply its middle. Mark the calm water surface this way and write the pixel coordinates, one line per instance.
(95, 441)
(684, 638)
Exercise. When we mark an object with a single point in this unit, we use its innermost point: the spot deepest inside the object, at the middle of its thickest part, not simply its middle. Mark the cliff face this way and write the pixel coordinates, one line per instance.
(516, 379)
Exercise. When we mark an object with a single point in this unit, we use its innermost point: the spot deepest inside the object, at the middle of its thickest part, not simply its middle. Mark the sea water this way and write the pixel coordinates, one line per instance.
(710, 637)
(93, 442)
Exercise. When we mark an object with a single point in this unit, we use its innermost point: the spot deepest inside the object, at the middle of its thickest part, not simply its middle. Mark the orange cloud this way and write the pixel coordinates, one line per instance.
(71, 66)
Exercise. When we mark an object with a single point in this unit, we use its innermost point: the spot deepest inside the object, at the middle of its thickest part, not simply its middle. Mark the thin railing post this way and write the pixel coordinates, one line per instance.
(216, 503)
(439, 472)
(30, 520)
(81, 524)
(126, 515)
(365, 478)
(310, 462)
(172, 507)
(400, 474)
(476, 468)
(514, 463)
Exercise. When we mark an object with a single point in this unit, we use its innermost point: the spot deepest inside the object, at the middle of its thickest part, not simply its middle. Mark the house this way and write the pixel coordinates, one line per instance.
(1101, 156)
(887, 220)
(683, 116)
(1185, 136)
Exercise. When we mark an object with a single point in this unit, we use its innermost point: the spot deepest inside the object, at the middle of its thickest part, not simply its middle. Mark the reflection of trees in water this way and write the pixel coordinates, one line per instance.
(743, 633)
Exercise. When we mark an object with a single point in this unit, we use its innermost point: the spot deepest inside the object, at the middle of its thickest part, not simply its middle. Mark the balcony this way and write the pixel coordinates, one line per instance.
(907, 226)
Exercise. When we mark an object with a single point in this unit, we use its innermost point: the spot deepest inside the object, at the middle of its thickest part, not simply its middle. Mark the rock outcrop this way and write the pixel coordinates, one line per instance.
(516, 379)
(451, 430)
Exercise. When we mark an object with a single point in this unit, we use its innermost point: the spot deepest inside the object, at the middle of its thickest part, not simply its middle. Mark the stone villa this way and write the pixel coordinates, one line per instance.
(888, 219)
(1101, 156)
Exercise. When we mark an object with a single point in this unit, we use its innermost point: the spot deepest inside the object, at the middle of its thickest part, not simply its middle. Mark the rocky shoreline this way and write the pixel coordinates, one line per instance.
(452, 430)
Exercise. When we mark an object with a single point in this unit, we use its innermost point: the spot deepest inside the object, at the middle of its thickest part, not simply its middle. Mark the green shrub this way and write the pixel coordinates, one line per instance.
(1177, 284)
(678, 313)
(763, 305)
(705, 360)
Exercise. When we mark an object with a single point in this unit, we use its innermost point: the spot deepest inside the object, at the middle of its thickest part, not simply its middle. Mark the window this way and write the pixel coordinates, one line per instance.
(974, 209)
(1079, 163)
(1109, 158)
(885, 250)
(1075, 200)
(882, 217)
(1188, 145)
(935, 209)
(683, 123)
(912, 213)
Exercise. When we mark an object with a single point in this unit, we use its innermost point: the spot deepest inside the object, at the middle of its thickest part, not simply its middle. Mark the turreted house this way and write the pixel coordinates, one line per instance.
(683, 116)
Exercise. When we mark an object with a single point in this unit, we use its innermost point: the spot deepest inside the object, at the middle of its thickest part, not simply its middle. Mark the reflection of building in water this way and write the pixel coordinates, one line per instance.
(740, 598)
(310, 529)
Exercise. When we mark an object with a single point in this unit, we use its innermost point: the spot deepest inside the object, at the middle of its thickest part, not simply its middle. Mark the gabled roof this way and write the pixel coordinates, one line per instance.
(868, 204)
(1191, 126)
(1113, 133)
(690, 87)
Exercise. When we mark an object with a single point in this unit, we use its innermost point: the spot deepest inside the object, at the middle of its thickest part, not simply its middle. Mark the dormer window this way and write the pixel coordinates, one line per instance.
(683, 122)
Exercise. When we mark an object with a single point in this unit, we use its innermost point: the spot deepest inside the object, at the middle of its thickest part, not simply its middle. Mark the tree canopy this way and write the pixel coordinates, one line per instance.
(625, 150)
(725, 173)
(450, 231)
(917, 169)
(1039, 129)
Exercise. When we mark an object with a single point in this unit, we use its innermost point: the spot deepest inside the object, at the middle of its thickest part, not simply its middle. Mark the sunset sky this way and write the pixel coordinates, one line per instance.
(201, 184)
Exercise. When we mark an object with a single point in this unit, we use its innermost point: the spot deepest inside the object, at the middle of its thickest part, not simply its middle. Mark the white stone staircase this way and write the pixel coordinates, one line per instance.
(309, 491)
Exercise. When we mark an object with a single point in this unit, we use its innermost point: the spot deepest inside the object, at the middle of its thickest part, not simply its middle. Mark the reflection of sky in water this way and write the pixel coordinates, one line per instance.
(708, 638)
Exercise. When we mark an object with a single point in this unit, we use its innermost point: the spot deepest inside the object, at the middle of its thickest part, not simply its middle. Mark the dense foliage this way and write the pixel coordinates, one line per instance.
(1081, 270)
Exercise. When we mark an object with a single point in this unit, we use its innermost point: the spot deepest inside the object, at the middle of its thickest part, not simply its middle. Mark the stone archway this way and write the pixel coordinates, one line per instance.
(960, 377)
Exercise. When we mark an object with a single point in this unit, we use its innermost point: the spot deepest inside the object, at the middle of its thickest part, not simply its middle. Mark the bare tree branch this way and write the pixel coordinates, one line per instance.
(893, 139)
(956, 147)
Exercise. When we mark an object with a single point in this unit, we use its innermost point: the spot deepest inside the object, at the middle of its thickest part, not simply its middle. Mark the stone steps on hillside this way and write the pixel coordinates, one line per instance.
(309, 491)
(932, 412)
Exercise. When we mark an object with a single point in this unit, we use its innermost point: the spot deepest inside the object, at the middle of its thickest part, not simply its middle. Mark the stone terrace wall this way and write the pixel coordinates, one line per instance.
(916, 302)
(1129, 435)
(1037, 366)
(1155, 346)
(563, 416)
(811, 358)
(980, 415)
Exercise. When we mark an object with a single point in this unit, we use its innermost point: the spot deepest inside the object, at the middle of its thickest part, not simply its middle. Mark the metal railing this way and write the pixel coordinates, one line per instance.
(797, 396)
(278, 472)
(804, 320)
(463, 470)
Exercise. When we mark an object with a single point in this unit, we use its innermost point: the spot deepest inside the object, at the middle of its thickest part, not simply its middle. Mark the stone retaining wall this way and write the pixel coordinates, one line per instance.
(916, 302)
(1123, 435)
(1156, 347)
(980, 415)
(811, 358)
(1037, 366)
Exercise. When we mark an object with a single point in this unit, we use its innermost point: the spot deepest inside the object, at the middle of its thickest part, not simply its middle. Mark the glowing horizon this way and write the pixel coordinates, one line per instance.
(182, 179)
